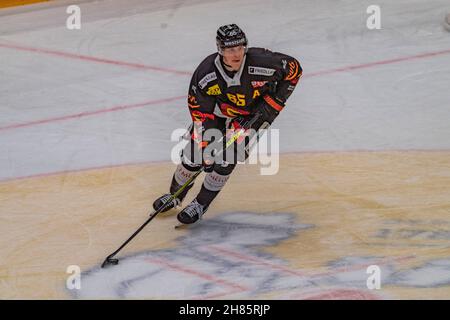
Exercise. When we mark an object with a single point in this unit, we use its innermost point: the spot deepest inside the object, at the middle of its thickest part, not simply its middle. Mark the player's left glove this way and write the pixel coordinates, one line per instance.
(270, 108)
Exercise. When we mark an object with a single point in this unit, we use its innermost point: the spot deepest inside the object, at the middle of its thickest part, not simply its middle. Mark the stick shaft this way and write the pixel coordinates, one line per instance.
(175, 195)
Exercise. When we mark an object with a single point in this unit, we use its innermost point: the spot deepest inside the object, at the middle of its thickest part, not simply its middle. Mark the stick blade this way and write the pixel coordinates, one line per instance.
(110, 262)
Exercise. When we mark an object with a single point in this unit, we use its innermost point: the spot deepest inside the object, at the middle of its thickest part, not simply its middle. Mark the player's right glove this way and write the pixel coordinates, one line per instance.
(199, 145)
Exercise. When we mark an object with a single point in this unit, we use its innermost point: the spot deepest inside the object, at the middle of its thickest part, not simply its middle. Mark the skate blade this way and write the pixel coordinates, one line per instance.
(181, 226)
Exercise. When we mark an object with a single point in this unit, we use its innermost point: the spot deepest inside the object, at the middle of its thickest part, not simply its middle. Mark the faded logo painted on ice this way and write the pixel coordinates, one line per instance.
(223, 258)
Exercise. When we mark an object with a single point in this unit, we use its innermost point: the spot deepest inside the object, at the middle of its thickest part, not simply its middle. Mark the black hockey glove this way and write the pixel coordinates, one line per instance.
(196, 149)
(270, 108)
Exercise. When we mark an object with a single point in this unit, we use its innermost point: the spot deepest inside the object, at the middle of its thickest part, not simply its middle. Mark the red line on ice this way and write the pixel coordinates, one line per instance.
(90, 113)
(377, 63)
(49, 174)
(205, 276)
(336, 294)
(282, 268)
(140, 66)
(154, 102)
(92, 59)
(196, 273)
(255, 260)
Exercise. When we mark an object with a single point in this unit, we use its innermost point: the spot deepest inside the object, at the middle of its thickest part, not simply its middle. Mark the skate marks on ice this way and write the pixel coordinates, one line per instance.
(419, 233)
(224, 258)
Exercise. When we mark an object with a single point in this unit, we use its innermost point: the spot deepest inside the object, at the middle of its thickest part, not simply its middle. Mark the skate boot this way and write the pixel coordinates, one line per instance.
(193, 212)
(163, 200)
(166, 197)
(182, 174)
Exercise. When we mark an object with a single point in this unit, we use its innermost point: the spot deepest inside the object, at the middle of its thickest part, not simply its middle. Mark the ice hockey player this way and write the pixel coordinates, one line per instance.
(226, 90)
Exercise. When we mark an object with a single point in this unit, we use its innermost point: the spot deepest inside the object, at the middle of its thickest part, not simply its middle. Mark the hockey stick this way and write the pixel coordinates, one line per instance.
(110, 259)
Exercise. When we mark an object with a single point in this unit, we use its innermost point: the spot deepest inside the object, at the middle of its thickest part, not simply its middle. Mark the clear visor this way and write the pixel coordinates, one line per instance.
(232, 49)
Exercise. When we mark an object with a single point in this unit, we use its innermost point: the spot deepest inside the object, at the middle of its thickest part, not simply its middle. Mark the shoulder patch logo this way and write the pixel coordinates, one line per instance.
(214, 90)
(294, 71)
(258, 84)
(261, 71)
(206, 79)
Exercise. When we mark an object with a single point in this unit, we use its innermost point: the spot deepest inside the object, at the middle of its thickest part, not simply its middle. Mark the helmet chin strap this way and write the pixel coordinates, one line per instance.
(227, 65)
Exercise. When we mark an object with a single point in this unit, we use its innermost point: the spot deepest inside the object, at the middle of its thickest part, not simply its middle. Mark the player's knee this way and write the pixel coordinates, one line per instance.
(224, 169)
(216, 180)
(190, 160)
(189, 165)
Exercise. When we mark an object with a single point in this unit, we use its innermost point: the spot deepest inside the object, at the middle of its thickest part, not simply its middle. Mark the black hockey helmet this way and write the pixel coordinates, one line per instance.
(230, 35)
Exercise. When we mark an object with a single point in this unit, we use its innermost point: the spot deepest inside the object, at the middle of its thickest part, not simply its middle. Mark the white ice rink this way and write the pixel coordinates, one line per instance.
(399, 105)
(111, 93)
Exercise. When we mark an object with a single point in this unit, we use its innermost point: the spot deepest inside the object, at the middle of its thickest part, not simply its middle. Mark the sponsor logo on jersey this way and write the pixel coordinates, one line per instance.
(231, 111)
(294, 71)
(206, 79)
(258, 84)
(192, 102)
(214, 90)
(261, 71)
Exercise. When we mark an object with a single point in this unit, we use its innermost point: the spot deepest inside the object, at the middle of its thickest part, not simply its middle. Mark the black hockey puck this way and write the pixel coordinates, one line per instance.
(109, 262)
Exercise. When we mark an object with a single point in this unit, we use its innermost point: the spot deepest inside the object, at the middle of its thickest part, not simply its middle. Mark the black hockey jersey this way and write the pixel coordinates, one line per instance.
(216, 92)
